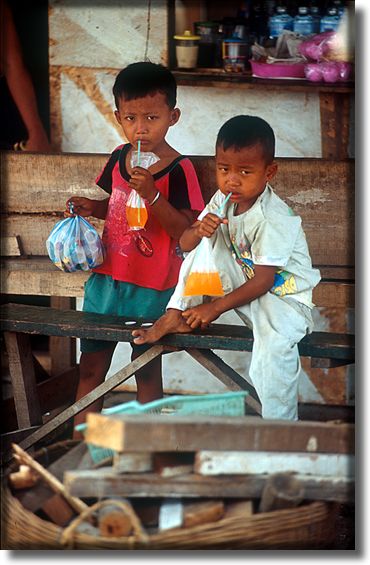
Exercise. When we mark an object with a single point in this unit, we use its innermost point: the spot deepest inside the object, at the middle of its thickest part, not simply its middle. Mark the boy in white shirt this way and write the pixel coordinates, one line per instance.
(261, 254)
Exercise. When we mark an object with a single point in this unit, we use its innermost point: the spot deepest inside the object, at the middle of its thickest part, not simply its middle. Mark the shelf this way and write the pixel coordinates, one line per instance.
(223, 79)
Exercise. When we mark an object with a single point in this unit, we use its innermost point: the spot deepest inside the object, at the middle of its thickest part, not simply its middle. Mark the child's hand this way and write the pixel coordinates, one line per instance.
(142, 181)
(81, 206)
(200, 316)
(209, 224)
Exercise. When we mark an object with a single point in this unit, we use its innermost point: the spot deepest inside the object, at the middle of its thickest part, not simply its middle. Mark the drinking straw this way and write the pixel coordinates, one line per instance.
(222, 207)
(138, 152)
(138, 164)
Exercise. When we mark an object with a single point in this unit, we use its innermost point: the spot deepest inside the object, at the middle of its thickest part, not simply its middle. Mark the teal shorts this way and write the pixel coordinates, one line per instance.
(103, 295)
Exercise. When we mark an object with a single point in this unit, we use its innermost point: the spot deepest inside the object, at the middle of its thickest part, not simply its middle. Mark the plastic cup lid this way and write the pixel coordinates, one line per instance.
(187, 36)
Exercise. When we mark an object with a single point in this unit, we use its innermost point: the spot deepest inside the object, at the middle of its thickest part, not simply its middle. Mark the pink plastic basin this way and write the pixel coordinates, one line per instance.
(277, 70)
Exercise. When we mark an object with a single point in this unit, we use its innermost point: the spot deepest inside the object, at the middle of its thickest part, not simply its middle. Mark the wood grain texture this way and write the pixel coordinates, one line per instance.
(69, 323)
(320, 191)
(150, 485)
(194, 433)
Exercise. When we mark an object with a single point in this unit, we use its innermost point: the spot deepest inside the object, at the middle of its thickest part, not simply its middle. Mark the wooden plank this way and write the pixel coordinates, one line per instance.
(49, 321)
(334, 114)
(334, 294)
(62, 349)
(325, 207)
(135, 462)
(98, 392)
(23, 379)
(38, 276)
(263, 462)
(52, 394)
(151, 485)
(50, 178)
(11, 246)
(193, 433)
(202, 512)
(230, 378)
(32, 230)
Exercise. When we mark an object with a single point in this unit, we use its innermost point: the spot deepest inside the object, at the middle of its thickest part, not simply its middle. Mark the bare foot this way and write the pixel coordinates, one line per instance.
(171, 322)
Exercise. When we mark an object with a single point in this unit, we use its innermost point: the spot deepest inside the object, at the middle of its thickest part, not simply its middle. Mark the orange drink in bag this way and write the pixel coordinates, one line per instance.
(207, 284)
(137, 216)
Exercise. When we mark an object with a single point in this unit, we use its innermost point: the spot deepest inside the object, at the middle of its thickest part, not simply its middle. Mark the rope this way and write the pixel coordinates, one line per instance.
(67, 537)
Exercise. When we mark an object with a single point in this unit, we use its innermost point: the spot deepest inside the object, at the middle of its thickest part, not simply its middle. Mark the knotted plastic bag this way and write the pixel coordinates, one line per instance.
(204, 278)
(75, 245)
(136, 212)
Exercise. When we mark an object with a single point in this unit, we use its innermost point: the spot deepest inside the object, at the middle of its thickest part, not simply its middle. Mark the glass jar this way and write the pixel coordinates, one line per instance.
(234, 54)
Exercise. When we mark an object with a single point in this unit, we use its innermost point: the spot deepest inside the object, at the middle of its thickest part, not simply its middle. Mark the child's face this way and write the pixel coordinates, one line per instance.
(147, 119)
(244, 173)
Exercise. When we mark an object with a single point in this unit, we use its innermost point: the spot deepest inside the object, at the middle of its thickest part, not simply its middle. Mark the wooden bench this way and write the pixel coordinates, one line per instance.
(35, 188)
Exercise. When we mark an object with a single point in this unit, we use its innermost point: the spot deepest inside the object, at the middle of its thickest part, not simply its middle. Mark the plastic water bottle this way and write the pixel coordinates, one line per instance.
(330, 21)
(279, 22)
(315, 13)
(303, 22)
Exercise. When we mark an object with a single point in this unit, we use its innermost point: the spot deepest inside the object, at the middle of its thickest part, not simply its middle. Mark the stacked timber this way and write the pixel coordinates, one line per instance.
(191, 482)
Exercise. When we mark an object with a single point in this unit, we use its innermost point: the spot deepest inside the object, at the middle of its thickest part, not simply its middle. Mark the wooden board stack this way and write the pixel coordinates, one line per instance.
(171, 472)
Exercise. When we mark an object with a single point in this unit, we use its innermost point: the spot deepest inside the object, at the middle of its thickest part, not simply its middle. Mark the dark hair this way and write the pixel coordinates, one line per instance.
(140, 79)
(246, 131)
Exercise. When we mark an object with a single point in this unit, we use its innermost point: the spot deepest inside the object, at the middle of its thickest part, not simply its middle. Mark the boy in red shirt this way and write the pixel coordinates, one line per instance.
(139, 272)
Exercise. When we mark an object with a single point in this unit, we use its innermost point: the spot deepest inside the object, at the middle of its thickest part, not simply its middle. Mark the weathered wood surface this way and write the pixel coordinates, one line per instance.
(151, 485)
(50, 321)
(89, 398)
(262, 462)
(10, 246)
(321, 191)
(194, 433)
(22, 374)
(38, 276)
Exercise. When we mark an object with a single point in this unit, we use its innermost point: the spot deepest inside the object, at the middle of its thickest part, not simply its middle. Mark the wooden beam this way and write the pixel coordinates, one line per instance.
(193, 433)
(98, 392)
(150, 485)
(62, 349)
(49, 321)
(226, 374)
(11, 246)
(264, 462)
(334, 114)
(23, 379)
(60, 176)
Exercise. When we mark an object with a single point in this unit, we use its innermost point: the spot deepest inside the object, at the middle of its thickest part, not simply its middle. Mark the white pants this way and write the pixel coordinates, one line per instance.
(278, 324)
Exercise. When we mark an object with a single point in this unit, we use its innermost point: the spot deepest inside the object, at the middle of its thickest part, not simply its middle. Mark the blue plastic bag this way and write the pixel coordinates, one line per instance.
(75, 245)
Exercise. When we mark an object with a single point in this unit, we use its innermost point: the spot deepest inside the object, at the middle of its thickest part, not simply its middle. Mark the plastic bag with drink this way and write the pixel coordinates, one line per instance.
(204, 278)
(136, 212)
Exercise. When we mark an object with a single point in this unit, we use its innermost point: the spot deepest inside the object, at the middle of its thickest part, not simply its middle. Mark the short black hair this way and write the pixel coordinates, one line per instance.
(245, 131)
(140, 79)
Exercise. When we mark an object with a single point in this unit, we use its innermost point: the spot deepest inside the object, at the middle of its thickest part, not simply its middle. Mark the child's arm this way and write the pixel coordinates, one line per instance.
(204, 314)
(87, 207)
(201, 228)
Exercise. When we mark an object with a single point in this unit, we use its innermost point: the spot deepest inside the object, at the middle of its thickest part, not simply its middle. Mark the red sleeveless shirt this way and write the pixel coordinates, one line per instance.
(149, 258)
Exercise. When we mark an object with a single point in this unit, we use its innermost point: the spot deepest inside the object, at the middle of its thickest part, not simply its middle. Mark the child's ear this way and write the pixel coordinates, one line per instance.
(271, 170)
(117, 116)
(175, 116)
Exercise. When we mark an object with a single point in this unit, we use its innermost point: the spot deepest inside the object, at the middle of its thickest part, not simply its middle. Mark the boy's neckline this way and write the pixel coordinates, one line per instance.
(124, 171)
